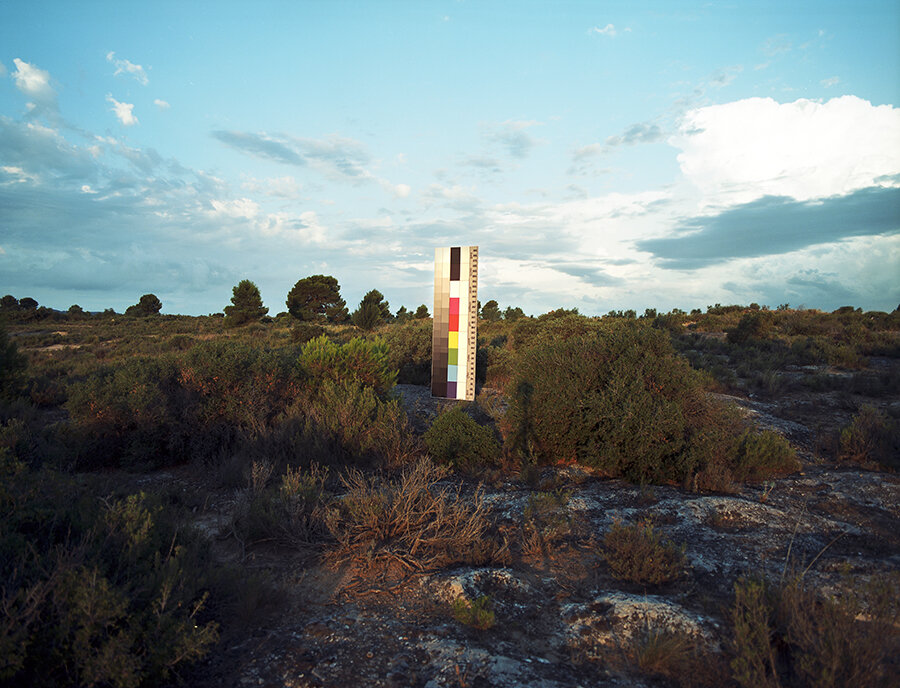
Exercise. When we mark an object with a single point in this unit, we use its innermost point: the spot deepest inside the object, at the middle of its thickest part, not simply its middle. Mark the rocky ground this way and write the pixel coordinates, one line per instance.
(560, 618)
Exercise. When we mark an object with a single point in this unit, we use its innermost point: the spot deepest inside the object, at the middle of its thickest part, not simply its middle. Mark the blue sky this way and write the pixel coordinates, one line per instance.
(603, 155)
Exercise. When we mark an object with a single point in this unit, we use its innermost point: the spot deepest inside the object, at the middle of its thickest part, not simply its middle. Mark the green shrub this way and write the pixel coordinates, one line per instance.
(755, 325)
(238, 385)
(12, 364)
(360, 424)
(409, 351)
(871, 437)
(130, 413)
(359, 360)
(94, 592)
(476, 613)
(456, 439)
(619, 399)
(639, 554)
(762, 454)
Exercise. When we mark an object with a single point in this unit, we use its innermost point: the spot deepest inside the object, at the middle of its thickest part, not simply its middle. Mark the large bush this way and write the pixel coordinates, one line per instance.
(359, 360)
(617, 398)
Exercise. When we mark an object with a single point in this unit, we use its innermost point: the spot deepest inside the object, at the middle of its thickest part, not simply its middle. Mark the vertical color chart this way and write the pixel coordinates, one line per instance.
(454, 336)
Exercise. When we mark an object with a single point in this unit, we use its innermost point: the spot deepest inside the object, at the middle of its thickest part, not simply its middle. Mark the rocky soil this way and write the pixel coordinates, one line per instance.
(561, 619)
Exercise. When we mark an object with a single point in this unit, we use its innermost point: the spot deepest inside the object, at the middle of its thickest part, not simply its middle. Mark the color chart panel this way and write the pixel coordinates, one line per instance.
(455, 322)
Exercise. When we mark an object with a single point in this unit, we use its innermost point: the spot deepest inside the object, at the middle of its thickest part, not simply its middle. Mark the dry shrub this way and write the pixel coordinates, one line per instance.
(790, 634)
(410, 525)
(680, 656)
(637, 553)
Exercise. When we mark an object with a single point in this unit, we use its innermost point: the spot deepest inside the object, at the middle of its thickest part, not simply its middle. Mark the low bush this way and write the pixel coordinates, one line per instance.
(290, 513)
(871, 437)
(762, 454)
(476, 613)
(454, 438)
(637, 553)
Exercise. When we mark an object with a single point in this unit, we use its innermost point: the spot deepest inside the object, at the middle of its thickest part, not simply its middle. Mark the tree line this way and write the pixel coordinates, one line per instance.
(314, 299)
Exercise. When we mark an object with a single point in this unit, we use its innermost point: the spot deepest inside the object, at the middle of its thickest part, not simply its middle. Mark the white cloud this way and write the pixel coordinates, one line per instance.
(608, 30)
(740, 151)
(830, 81)
(124, 111)
(12, 174)
(127, 67)
(161, 104)
(238, 208)
(279, 187)
(33, 81)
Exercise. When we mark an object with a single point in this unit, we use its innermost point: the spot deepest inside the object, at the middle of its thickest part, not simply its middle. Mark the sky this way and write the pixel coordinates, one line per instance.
(602, 155)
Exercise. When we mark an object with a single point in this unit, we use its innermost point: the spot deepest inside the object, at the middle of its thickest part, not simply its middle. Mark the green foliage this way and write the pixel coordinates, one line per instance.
(762, 454)
(12, 365)
(146, 412)
(476, 613)
(94, 592)
(359, 360)
(637, 553)
(491, 311)
(631, 406)
(317, 298)
(753, 325)
(512, 313)
(456, 439)
(246, 304)
(373, 311)
(9, 303)
(409, 351)
(422, 312)
(871, 437)
(148, 305)
(124, 411)
(28, 304)
(360, 424)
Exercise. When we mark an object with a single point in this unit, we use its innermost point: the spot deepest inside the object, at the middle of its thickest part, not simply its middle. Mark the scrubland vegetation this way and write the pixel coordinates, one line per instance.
(103, 584)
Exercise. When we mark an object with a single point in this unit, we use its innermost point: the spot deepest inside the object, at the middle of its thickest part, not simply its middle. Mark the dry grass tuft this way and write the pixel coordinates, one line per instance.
(408, 526)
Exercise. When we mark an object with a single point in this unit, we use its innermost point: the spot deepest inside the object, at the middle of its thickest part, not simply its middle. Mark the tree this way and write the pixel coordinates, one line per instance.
(373, 310)
(28, 304)
(148, 305)
(9, 303)
(317, 298)
(422, 312)
(76, 311)
(402, 315)
(246, 304)
(513, 313)
(491, 311)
